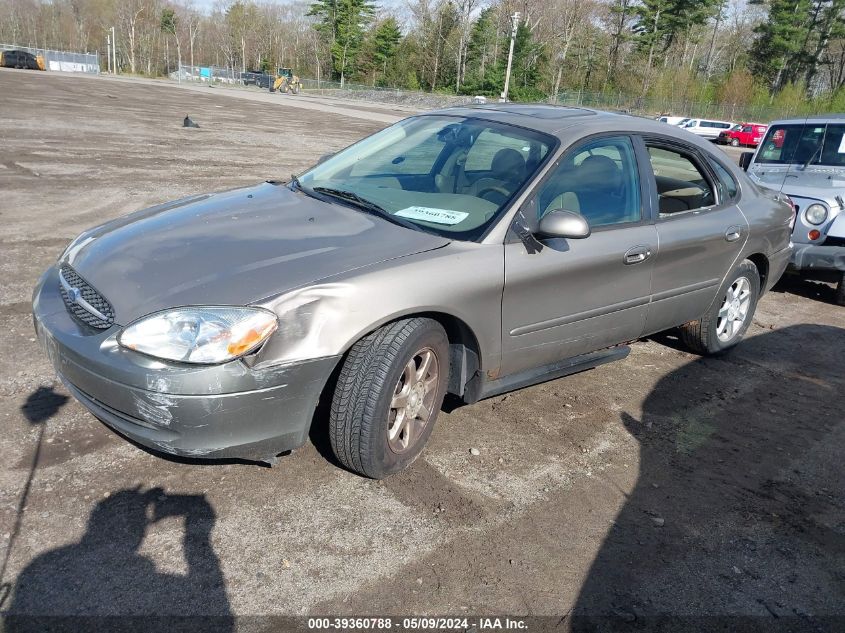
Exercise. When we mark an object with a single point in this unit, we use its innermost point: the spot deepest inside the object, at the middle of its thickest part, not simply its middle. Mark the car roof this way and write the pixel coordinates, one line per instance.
(568, 123)
(816, 118)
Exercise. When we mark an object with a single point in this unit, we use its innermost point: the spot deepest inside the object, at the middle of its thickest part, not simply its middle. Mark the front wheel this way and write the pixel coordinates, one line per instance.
(735, 142)
(389, 391)
(730, 315)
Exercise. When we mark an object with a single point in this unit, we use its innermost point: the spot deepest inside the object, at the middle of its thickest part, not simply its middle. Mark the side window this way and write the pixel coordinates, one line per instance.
(680, 184)
(727, 183)
(599, 180)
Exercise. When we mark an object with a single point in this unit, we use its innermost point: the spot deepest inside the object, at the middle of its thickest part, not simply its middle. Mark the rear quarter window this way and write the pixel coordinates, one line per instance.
(728, 187)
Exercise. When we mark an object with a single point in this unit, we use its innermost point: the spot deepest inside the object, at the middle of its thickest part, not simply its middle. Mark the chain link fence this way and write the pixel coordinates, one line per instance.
(618, 102)
(207, 74)
(655, 106)
(62, 61)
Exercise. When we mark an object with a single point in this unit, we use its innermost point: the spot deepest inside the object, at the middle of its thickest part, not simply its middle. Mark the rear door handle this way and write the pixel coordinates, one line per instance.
(733, 233)
(637, 254)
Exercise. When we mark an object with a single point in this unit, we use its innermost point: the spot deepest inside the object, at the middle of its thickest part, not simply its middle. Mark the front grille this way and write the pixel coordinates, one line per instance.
(834, 241)
(89, 296)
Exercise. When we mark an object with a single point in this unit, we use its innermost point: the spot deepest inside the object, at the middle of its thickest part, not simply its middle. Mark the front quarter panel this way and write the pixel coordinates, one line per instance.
(463, 280)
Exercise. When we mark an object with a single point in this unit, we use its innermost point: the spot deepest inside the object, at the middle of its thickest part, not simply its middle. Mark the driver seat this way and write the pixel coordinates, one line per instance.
(507, 171)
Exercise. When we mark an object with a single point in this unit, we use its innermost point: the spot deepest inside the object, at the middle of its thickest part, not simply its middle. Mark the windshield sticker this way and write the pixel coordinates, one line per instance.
(429, 214)
(841, 149)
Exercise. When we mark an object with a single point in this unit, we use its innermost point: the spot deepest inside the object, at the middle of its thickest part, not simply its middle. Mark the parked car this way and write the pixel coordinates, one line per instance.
(470, 251)
(256, 78)
(805, 159)
(749, 134)
(21, 59)
(673, 120)
(706, 128)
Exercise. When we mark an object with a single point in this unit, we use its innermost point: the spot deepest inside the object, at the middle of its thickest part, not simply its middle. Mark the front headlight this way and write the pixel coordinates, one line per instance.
(206, 335)
(816, 214)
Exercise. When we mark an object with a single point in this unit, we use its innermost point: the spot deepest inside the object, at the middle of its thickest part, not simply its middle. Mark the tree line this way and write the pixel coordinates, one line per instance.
(727, 51)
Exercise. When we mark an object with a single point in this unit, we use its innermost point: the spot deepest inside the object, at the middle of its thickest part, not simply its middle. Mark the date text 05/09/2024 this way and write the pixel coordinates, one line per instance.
(479, 624)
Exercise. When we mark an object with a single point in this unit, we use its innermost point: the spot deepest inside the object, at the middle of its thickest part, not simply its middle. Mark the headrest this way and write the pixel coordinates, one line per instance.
(598, 171)
(508, 164)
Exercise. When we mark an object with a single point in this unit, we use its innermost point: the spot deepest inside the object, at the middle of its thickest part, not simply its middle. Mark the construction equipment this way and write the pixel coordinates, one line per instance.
(286, 82)
(21, 59)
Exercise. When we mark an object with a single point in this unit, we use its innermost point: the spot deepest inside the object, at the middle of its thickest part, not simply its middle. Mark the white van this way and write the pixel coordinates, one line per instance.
(673, 120)
(707, 128)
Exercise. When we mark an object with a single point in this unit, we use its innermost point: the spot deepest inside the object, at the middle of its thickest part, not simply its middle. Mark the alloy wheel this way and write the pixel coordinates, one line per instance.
(734, 310)
(412, 404)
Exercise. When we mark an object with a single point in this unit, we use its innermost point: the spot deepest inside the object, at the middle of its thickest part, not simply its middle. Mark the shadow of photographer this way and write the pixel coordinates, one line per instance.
(103, 582)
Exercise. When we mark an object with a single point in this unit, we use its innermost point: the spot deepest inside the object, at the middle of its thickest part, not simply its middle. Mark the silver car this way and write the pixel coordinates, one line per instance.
(470, 251)
(805, 159)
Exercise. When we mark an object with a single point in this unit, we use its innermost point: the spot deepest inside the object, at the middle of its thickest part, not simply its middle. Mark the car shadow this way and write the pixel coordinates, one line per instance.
(735, 522)
(103, 582)
(815, 290)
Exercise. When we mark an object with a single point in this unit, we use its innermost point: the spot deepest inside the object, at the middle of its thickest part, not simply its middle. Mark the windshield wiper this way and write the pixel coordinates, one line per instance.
(365, 205)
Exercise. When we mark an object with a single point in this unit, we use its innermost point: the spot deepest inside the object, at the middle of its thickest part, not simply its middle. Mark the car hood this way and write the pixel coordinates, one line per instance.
(232, 248)
(821, 184)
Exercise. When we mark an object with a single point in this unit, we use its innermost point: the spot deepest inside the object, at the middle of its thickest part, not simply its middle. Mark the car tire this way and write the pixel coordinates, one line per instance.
(840, 291)
(728, 317)
(371, 433)
(735, 142)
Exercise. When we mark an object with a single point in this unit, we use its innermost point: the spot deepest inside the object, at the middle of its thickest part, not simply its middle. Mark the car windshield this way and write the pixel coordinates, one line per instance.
(800, 144)
(448, 175)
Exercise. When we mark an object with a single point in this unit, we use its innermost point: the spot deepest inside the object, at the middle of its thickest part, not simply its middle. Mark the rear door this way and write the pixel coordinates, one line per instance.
(574, 296)
(700, 229)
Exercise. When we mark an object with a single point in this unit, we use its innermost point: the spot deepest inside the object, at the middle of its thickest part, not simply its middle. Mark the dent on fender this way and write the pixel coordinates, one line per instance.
(312, 324)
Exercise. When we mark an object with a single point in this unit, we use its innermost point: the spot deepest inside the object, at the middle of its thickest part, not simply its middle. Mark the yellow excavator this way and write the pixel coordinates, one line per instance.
(286, 82)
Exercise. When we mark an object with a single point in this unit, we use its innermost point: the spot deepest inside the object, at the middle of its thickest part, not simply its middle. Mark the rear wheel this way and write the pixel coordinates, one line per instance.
(388, 394)
(730, 315)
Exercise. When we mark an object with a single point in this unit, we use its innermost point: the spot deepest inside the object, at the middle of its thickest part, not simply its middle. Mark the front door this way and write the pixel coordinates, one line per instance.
(578, 295)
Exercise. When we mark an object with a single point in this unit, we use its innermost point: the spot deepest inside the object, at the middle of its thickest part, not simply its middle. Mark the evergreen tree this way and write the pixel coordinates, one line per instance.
(385, 43)
(794, 38)
(343, 24)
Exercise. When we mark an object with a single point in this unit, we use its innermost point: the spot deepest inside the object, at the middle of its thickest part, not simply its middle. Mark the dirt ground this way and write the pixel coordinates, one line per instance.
(665, 485)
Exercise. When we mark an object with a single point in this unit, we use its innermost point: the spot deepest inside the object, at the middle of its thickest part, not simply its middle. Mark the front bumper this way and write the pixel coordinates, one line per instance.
(216, 411)
(816, 260)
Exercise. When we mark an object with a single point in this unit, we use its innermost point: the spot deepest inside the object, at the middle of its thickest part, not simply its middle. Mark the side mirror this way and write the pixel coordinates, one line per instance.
(324, 158)
(563, 223)
(745, 160)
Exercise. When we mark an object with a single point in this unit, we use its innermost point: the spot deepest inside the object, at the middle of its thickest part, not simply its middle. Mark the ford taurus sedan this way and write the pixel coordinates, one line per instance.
(469, 251)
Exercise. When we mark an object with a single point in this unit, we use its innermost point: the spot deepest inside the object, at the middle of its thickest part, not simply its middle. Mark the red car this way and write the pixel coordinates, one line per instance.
(743, 134)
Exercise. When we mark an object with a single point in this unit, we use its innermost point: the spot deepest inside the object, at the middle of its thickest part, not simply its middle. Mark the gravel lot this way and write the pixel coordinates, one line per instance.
(665, 484)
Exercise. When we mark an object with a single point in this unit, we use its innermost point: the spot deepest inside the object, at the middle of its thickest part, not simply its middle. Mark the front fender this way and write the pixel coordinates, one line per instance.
(462, 280)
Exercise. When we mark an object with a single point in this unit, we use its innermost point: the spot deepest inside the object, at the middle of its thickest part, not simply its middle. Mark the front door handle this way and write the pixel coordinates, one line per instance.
(733, 233)
(637, 254)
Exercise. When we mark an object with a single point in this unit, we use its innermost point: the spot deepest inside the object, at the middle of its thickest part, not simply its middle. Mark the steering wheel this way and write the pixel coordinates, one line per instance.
(494, 189)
